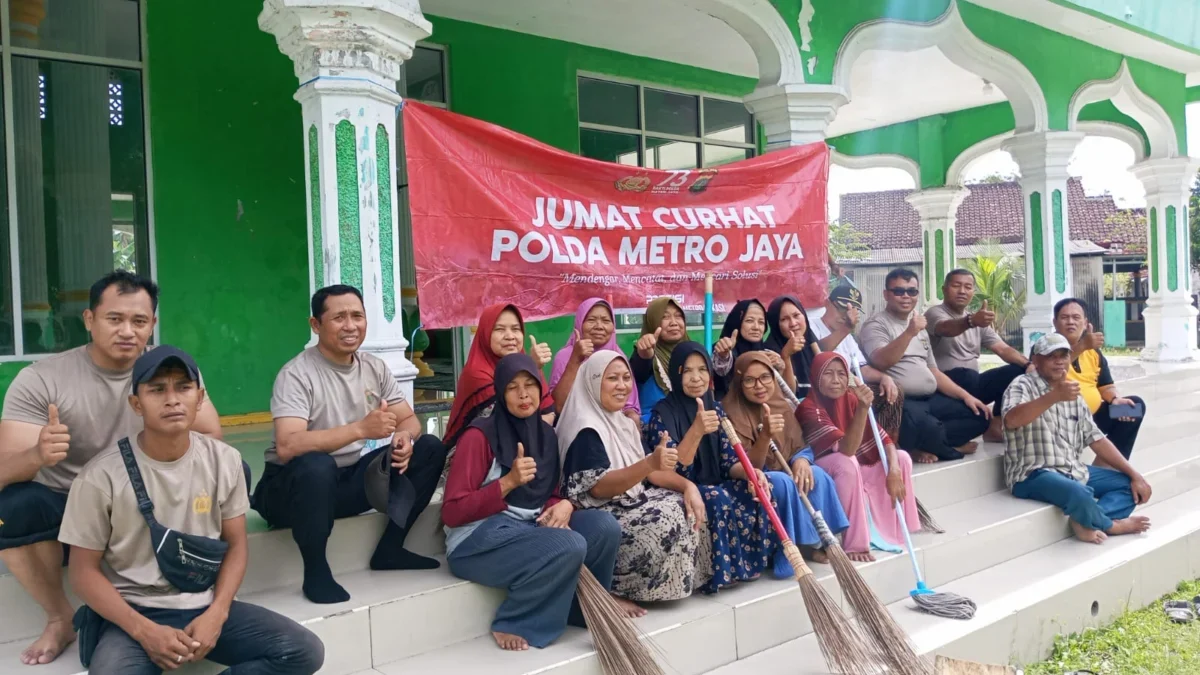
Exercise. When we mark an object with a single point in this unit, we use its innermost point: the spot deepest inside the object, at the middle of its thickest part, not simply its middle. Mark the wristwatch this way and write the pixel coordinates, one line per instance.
(970, 324)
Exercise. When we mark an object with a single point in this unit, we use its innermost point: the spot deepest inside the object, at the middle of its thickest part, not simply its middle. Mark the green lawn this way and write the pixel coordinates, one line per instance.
(1144, 642)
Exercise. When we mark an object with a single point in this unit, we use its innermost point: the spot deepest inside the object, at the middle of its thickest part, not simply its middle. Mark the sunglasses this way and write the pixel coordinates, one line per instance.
(901, 292)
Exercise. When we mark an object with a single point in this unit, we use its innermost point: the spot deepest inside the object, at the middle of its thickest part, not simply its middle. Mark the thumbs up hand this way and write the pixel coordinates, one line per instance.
(646, 344)
(1092, 339)
(706, 421)
(984, 317)
(665, 456)
(524, 470)
(378, 423)
(773, 422)
(583, 348)
(540, 351)
(794, 344)
(54, 440)
(726, 344)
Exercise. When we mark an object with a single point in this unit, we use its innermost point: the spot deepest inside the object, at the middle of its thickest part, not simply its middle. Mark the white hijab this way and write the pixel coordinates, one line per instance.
(583, 410)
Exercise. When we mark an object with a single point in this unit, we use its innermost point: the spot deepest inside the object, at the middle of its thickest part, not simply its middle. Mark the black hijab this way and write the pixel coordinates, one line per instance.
(776, 338)
(741, 345)
(504, 430)
(678, 411)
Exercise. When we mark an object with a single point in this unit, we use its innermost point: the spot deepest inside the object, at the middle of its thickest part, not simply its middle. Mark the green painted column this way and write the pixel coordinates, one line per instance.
(938, 210)
(1169, 316)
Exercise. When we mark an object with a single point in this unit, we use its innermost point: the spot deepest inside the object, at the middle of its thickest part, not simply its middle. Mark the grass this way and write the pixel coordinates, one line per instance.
(1142, 642)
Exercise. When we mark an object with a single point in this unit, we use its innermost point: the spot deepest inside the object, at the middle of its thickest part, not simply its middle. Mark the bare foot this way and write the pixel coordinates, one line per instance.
(922, 457)
(55, 638)
(968, 448)
(1088, 535)
(816, 555)
(993, 436)
(860, 556)
(1131, 525)
(510, 642)
(629, 608)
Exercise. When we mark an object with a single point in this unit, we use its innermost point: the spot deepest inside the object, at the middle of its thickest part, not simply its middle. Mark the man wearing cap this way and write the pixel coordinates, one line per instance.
(957, 338)
(59, 412)
(1047, 425)
(341, 426)
(135, 620)
(940, 418)
(835, 332)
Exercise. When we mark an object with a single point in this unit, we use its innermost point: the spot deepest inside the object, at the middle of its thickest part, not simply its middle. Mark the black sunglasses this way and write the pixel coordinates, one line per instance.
(900, 292)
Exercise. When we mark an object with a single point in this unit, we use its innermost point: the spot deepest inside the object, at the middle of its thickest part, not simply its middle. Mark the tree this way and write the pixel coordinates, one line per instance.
(1194, 224)
(993, 178)
(846, 244)
(994, 275)
(1127, 231)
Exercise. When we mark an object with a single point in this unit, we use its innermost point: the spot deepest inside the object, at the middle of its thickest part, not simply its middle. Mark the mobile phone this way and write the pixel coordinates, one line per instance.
(1135, 411)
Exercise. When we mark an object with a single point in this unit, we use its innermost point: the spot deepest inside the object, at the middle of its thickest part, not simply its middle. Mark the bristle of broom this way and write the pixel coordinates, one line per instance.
(618, 643)
(889, 638)
(927, 522)
(845, 649)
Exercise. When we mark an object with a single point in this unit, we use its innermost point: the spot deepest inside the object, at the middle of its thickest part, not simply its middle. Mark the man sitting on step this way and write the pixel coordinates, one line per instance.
(60, 412)
(339, 415)
(1047, 425)
(157, 529)
(957, 337)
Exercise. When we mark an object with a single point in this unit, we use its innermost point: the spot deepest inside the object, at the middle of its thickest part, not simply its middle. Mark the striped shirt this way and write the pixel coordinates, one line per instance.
(1055, 440)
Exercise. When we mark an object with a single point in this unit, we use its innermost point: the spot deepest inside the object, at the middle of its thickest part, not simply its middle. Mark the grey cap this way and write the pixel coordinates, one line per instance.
(1050, 343)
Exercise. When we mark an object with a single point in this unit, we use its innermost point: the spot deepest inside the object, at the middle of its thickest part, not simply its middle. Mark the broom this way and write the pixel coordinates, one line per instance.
(842, 645)
(618, 643)
(890, 639)
(946, 605)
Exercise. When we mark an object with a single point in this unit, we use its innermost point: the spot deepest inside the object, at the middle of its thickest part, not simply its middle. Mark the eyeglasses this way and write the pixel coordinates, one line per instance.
(763, 381)
(901, 292)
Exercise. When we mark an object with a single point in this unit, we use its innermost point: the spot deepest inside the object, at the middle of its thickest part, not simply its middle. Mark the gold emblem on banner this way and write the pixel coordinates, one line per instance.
(702, 181)
(639, 183)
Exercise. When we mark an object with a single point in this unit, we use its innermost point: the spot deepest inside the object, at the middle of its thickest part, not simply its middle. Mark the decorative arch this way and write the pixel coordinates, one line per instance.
(1106, 129)
(1132, 101)
(761, 25)
(951, 35)
(964, 159)
(905, 164)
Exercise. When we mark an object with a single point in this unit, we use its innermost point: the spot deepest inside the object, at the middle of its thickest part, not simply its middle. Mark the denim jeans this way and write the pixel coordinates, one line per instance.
(1107, 496)
(253, 641)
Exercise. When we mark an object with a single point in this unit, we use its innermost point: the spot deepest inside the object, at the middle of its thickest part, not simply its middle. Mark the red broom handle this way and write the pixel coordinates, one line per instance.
(764, 493)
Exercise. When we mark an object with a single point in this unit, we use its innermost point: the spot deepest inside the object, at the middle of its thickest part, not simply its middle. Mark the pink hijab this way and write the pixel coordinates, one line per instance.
(563, 357)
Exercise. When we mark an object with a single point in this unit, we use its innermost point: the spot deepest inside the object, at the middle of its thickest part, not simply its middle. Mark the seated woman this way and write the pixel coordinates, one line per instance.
(506, 526)
(744, 329)
(834, 420)
(663, 327)
(501, 332)
(743, 543)
(792, 338)
(760, 415)
(664, 550)
(595, 329)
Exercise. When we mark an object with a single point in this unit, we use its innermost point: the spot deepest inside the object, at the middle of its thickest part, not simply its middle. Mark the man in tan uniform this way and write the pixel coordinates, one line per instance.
(59, 413)
(136, 621)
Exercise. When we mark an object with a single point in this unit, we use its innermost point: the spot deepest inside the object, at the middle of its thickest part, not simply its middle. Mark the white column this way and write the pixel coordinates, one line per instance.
(1043, 158)
(347, 57)
(1169, 315)
(938, 209)
(795, 114)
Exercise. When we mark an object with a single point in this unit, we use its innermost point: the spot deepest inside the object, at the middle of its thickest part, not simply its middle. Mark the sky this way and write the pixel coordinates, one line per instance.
(1102, 163)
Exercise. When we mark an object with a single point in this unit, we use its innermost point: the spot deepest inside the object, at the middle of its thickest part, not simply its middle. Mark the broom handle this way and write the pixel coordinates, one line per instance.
(708, 312)
(818, 519)
(764, 494)
(883, 458)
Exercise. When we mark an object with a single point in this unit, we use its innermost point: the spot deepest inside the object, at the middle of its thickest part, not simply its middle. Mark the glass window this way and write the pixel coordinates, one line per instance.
(608, 103)
(425, 76)
(81, 191)
(7, 334)
(107, 28)
(681, 131)
(671, 113)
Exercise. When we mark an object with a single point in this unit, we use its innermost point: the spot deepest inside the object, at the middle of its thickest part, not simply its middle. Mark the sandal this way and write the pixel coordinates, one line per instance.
(1180, 611)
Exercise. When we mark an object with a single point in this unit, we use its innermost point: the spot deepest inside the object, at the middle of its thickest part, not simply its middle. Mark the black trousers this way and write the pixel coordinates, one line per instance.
(938, 424)
(309, 492)
(987, 386)
(1122, 434)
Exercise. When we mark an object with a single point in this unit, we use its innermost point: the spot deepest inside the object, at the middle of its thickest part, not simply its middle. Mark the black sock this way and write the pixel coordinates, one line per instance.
(319, 586)
(390, 554)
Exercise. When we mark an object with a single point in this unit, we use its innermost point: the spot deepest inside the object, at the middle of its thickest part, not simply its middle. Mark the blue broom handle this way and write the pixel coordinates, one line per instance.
(708, 312)
(883, 458)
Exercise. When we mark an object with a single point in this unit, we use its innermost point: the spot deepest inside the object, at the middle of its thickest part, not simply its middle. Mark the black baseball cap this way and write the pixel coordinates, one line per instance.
(153, 360)
(846, 296)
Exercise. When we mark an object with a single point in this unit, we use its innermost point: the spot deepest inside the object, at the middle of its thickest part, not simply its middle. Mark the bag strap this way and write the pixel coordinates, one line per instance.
(135, 481)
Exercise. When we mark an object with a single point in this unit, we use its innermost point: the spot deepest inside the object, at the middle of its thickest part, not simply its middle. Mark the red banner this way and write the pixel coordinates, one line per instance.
(499, 217)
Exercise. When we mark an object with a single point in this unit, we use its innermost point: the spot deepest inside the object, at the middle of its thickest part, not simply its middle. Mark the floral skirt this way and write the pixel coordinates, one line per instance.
(743, 544)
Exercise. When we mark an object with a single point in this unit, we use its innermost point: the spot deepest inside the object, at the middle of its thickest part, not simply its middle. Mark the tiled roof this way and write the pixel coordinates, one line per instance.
(992, 211)
(906, 256)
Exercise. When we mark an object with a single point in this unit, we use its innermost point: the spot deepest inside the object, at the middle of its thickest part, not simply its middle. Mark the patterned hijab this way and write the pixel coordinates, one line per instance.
(662, 351)
(563, 357)
(748, 416)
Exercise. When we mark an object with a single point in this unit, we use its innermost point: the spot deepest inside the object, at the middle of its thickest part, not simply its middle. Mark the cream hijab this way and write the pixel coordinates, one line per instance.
(583, 410)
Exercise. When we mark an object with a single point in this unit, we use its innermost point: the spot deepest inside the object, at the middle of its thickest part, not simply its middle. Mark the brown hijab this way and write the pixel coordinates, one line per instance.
(747, 416)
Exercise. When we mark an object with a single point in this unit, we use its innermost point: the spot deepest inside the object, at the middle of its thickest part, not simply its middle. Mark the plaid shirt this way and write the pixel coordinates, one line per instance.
(1054, 441)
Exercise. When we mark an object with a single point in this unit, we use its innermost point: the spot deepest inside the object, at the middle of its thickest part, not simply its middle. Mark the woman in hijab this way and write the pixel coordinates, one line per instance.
(506, 525)
(743, 543)
(834, 420)
(744, 330)
(501, 332)
(664, 552)
(595, 329)
(790, 336)
(760, 415)
(663, 327)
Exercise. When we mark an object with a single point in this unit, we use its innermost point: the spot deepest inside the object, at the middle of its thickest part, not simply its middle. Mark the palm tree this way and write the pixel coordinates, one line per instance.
(995, 273)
